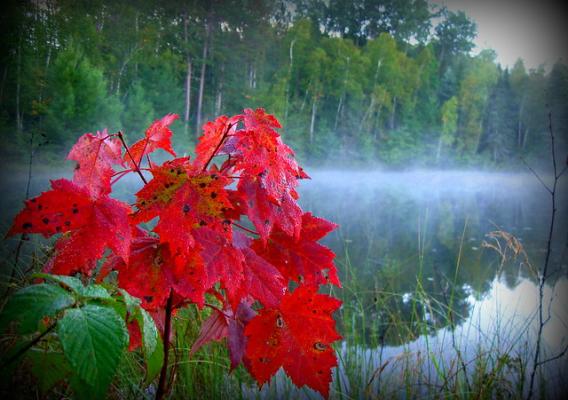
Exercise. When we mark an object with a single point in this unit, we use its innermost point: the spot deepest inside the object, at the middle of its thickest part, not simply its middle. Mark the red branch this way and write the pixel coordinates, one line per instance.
(218, 145)
(161, 391)
(136, 167)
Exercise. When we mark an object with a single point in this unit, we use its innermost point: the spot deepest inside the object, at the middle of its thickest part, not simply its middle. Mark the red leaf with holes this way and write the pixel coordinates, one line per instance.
(88, 226)
(95, 156)
(296, 336)
(302, 260)
(184, 198)
(152, 272)
(265, 213)
(158, 136)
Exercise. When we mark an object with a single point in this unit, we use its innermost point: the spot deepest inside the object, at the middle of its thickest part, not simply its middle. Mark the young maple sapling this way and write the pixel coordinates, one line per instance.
(229, 235)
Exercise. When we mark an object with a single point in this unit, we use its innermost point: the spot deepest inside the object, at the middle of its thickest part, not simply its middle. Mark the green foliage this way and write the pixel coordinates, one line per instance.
(93, 338)
(90, 335)
(33, 303)
(78, 97)
(351, 72)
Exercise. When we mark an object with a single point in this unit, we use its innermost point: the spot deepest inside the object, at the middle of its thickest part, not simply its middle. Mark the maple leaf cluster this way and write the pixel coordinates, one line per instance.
(230, 230)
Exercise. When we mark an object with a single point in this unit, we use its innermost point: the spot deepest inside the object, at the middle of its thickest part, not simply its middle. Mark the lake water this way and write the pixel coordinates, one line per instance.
(420, 286)
(420, 283)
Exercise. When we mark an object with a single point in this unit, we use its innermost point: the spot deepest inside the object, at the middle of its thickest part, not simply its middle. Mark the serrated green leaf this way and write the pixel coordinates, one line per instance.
(154, 362)
(75, 285)
(132, 303)
(150, 334)
(151, 344)
(93, 339)
(95, 292)
(30, 304)
(48, 367)
(72, 283)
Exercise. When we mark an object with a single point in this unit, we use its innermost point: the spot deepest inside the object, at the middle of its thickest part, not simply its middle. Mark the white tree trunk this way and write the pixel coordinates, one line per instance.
(187, 74)
(290, 66)
(313, 119)
(202, 76)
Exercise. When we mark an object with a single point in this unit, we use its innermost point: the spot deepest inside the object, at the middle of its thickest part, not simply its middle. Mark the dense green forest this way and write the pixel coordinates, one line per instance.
(390, 82)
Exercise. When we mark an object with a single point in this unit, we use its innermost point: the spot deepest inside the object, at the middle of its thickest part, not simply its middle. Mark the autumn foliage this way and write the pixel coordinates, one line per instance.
(221, 230)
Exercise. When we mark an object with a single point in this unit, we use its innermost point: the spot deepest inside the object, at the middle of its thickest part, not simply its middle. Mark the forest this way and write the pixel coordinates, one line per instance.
(424, 258)
(392, 83)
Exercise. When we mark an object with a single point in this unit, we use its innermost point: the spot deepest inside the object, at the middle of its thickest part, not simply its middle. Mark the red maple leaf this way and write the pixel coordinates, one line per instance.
(261, 153)
(297, 336)
(226, 324)
(184, 198)
(158, 136)
(211, 142)
(95, 156)
(302, 260)
(223, 261)
(261, 280)
(88, 225)
(152, 272)
(259, 117)
(265, 213)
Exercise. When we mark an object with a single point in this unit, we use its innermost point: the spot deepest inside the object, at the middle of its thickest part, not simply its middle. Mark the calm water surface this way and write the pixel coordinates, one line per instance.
(418, 276)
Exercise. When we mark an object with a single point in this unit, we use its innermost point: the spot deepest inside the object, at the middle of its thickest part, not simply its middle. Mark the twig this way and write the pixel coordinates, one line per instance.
(219, 310)
(543, 277)
(554, 358)
(537, 175)
(31, 344)
(23, 235)
(246, 229)
(136, 167)
(218, 145)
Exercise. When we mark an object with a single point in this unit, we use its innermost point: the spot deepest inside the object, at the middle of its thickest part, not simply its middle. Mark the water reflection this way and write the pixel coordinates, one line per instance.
(410, 245)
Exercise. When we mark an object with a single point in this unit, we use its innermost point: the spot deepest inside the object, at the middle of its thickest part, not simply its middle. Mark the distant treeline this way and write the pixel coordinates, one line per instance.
(391, 82)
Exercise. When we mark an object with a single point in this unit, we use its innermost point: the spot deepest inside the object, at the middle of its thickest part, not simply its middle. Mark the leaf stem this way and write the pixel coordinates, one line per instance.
(161, 391)
(213, 307)
(136, 167)
(246, 229)
(218, 145)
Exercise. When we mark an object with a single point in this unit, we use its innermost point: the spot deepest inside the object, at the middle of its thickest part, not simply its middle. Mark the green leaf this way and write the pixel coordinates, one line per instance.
(75, 285)
(95, 292)
(151, 343)
(154, 362)
(70, 282)
(132, 303)
(48, 367)
(150, 335)
(30, 304)
(93, 339)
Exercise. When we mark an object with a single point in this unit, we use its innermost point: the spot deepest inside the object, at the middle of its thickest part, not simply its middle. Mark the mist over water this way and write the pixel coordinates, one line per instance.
(398, 229)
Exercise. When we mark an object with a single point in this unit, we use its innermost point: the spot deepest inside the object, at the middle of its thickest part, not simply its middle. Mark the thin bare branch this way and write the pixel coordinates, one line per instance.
(537, 175)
